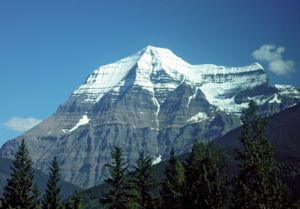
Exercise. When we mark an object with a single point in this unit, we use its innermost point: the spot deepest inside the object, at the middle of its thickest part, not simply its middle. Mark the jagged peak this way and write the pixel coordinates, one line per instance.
(159, 56)
(258, 65)
(149, 61)
(154, 49)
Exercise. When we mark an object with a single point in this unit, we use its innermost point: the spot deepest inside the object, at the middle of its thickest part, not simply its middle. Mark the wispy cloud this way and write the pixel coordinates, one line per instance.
(273, 56)
(21, 124)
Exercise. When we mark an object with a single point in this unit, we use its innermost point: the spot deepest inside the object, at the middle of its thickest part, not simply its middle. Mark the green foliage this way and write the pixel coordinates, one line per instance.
(116, 197)
(173, 184)
(205, 180)
(74, 202)
(200, 184)
(20, 191)
(52, 197)
(142, 183)
(36, 197)
(258, 184)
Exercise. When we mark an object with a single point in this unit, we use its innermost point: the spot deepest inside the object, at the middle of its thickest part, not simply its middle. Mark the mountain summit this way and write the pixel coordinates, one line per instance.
(141, 65)
(159, 70)
(151, 100)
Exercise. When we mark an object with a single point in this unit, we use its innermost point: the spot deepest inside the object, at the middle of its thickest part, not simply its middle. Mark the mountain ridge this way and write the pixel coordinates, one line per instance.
(153, 104)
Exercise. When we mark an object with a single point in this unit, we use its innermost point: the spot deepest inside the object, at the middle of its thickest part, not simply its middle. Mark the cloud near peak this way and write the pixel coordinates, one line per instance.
(21, 124)
(273, 56)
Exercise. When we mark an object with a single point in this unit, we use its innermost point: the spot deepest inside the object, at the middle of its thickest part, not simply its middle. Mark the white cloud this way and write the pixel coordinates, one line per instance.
(273, 55)
(281, 67)
(22, 124)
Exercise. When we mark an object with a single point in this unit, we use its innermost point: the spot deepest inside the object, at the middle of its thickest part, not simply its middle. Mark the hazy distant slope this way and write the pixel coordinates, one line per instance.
(284, 133)
(40, 178)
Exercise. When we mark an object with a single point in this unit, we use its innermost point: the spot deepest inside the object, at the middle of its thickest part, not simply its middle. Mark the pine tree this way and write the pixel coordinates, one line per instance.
(116, 197)
(36, 197)
(173, 184)
(192, 173)
(52, 197)
(74, 202)
(19, 191)
(205, 181)
(258, 184)
(213, 187)
(143, 183)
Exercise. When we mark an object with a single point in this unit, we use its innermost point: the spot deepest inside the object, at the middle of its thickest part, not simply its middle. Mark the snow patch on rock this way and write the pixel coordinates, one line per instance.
(83, 121)
(192, 97)
(157, 111)
(198, 117)
(157, 160)
(275, 99)
(288, 90)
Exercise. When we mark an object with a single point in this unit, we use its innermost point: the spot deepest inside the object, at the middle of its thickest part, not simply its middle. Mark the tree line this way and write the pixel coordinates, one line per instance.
(21, 192)
(199, 182)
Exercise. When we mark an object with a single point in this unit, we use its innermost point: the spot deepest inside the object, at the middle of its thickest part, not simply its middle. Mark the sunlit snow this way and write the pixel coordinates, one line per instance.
(198, 117)
(157, 111)
(149, 62)
(160, 72)
(84, 120)
(192, 97)
(275, 99)
(157, 160)
(288, 90)
(105, 78)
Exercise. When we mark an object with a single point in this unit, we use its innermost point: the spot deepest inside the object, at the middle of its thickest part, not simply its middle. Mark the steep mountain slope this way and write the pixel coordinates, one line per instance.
(284, 133)
(41, 179)
(152, 100)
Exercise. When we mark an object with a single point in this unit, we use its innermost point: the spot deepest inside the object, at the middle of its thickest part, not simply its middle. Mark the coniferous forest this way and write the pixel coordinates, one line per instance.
(203, 180)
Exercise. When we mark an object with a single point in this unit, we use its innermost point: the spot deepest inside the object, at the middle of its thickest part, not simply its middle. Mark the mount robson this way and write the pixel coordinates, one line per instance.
(151, 101)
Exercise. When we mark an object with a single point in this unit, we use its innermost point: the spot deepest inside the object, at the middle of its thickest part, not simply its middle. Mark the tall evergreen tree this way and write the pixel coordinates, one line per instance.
(19, 191)
(205, 178)
(258, 184)
(36, 201)
(173, 184)
(213, 188)
(74, 202)
(192, 173)
(143, 182)
(116, 197)
(52, 197)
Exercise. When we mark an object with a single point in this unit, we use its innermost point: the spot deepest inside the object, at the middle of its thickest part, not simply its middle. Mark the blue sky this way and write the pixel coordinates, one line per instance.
(48, 48)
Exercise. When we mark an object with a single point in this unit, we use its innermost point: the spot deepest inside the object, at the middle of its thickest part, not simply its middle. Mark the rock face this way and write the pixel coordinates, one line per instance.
(152, 100)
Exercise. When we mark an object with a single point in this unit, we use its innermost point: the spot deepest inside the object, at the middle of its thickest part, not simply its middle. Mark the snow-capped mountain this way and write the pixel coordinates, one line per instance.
(151, 100)
(159, 71)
